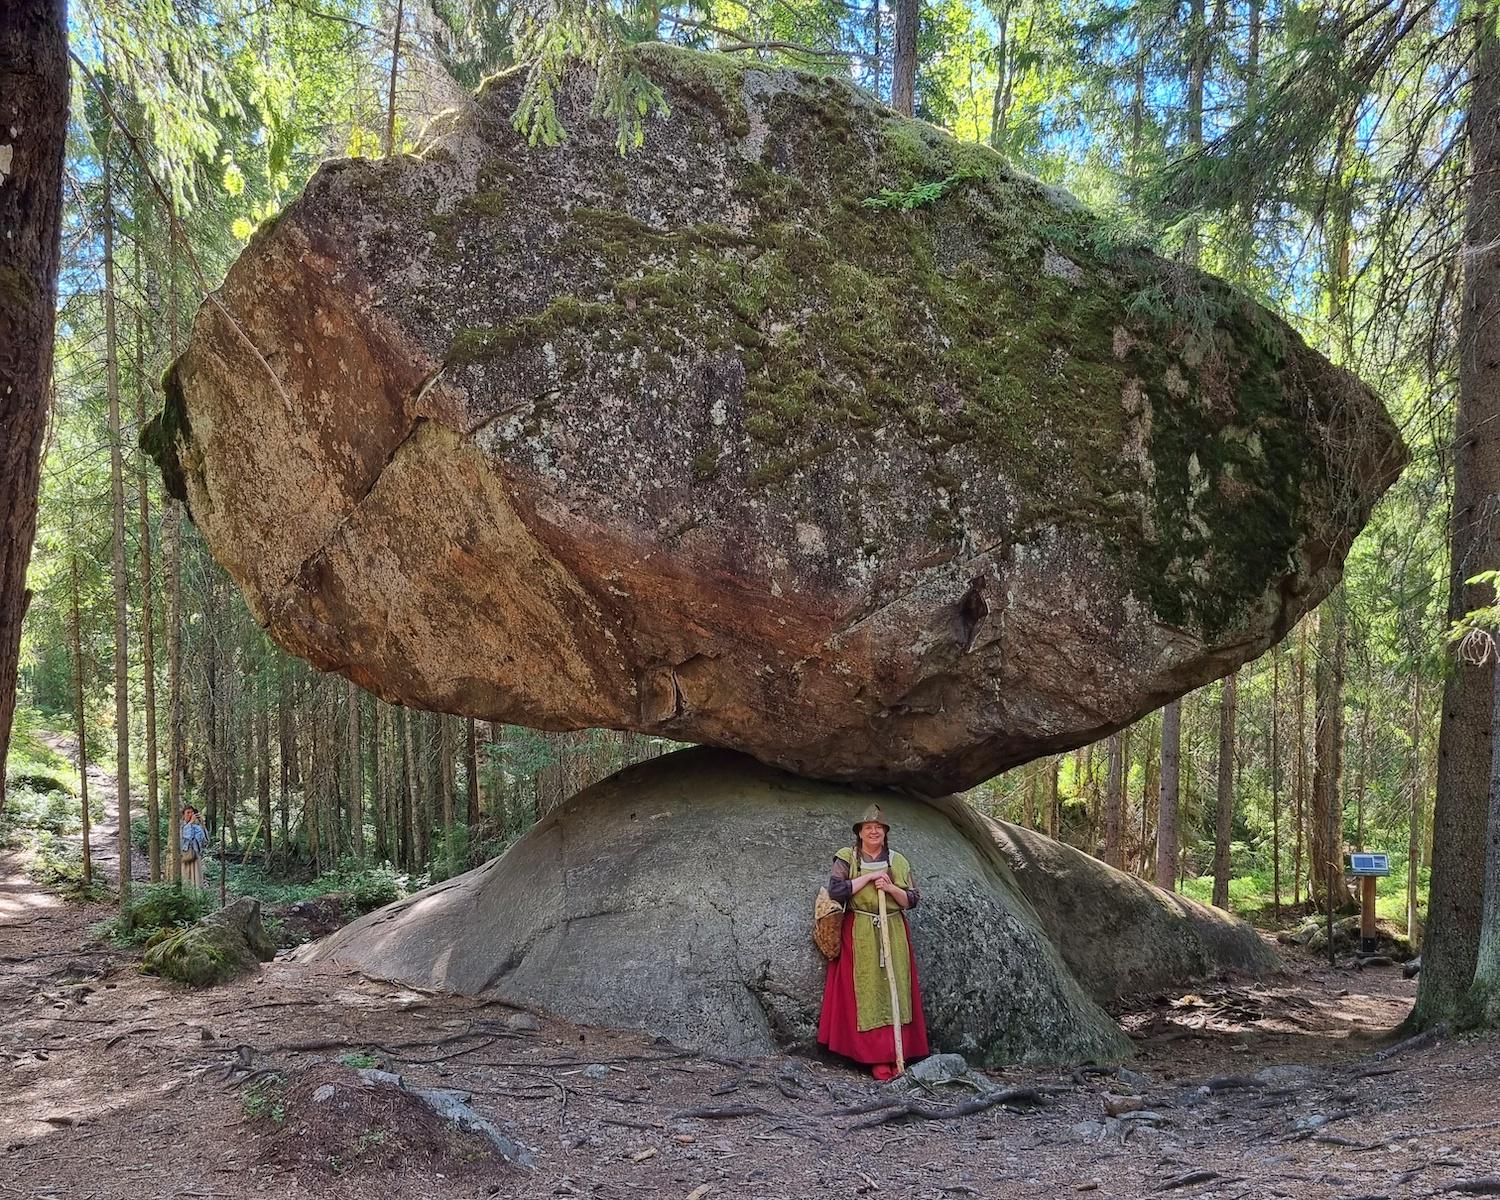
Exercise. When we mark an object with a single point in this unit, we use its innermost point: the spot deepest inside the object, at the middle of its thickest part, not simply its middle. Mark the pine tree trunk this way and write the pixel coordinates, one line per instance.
(445, 786)
(1114, 804)
(1274, 754)
(1299, 780)
(1325, 850)
(1414, 811)
(1197, 49)
(173, 537)
(312, 786)
(390, 107)
(904, 66)
(382, 780)
(34, 112)
(356, 775)
(80, 722)
(408, 794)
(1459, 902)
(117, 545)
(472, 766)
(1150, 785)
(1054, 799)
(1224, 825)
(1000, 102)
(148, 628)
(1485, 995)
(1166, 807)
(285, 753)
(173, 523)
(1360, 779)
(263, 764)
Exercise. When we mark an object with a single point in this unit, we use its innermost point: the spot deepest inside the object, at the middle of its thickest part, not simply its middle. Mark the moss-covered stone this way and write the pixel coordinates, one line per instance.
(218, 948)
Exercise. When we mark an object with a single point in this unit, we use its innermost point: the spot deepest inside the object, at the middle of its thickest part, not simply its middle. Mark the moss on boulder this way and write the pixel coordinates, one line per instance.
(218, 948)
(805, 429)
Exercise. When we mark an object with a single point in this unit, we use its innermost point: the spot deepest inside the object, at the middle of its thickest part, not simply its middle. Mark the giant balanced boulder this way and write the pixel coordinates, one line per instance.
(676, 896)
(804, 429)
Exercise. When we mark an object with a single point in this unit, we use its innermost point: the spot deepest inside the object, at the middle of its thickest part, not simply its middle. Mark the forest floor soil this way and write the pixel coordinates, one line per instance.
(117, 1084)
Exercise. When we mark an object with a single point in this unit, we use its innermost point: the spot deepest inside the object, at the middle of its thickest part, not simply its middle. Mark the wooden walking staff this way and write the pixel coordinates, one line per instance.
(890, 975)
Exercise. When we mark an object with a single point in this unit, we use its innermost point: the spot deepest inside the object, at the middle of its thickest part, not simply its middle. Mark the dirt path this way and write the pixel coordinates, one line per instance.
(104, 839)
(118, 1085)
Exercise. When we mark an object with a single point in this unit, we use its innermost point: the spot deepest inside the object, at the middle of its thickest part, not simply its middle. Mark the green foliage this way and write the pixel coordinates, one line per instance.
(919, 194)
(360, 1061)
(366, 888)
(593, 36)
(154, 908)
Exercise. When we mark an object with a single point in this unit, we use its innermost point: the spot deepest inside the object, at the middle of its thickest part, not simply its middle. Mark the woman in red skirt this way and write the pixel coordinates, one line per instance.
(856, 1019)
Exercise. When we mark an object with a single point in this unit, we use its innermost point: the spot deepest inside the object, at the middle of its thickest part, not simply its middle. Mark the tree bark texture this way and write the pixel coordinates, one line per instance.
(33, 133)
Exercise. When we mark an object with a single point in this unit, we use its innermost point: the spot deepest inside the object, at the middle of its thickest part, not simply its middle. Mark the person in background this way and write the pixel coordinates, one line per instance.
(194, 843)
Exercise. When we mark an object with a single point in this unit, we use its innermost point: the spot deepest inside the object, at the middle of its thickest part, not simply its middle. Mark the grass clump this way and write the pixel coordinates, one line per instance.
(264, 1100)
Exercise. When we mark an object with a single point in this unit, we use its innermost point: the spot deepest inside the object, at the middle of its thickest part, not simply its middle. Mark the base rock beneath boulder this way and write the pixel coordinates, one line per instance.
(676, 896)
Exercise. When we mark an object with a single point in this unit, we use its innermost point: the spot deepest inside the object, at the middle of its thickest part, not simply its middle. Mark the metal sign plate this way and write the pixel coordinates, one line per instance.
(1369, 864)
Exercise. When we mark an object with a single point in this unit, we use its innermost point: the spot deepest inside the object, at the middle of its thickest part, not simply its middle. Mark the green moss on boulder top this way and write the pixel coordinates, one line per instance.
(805, 429)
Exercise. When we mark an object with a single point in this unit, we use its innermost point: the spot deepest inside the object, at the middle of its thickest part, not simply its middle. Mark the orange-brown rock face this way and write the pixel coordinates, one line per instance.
(803, 430)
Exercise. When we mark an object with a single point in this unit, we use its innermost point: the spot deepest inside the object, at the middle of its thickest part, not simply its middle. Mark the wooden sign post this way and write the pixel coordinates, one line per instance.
(1368, 868)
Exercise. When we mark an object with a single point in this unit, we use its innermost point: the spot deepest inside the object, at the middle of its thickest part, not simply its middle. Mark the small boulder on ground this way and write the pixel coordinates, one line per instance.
(1390, 939)
(221, 946)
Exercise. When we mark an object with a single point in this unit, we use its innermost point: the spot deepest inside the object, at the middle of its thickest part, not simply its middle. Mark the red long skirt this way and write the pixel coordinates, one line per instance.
(838, 1026)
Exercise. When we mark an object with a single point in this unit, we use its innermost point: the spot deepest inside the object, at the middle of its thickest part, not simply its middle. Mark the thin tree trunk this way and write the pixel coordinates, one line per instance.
(312, 783)
(1414, 811)
(1299, 779)
(34, 116)
(1325, 851)
(1166, 808)
(356, 775)
(904, 66)
(117, 550)
(382, 781)
(409, 794)
(445, 785)
(390, 108)
(1275, 756)
(472, 766)
(173, 534)
(1054, 799)
(1000, 105)
(285, 753)
(1197, 71)
(148, 629)
(1114, 803)
(1360, 777)
(1224, 825)
(80, 723)
(263, 764)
